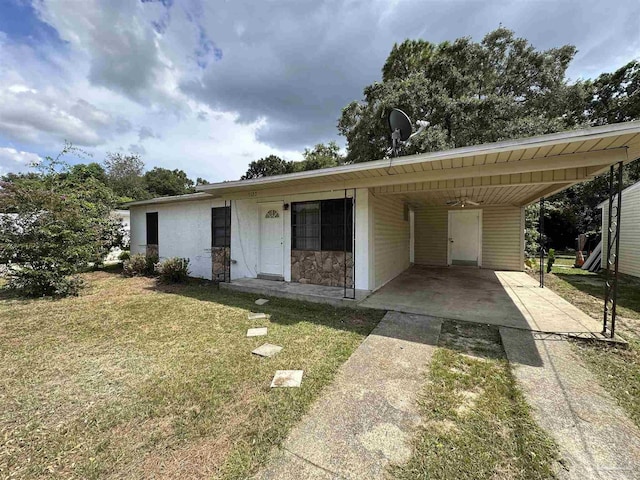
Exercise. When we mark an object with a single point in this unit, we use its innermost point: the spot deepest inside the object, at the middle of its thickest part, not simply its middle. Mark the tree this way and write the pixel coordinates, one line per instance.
(162, 182)
(124, 176)
(52, 226)
(468, 92)
(201, 181)
(320, 156)
(82, 171)
(267, 166)
(616, 96)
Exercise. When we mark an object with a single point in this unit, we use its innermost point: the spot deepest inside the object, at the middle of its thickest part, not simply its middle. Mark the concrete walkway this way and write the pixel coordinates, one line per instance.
(596, 439)
(542, 308)
(366, 418)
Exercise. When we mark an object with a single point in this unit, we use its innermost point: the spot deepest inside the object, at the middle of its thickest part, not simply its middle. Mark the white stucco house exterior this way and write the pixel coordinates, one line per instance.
(629, 262)
(367, 222)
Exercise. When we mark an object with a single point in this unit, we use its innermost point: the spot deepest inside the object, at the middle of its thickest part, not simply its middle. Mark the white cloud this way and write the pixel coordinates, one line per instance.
(29, 115)
(12, 160)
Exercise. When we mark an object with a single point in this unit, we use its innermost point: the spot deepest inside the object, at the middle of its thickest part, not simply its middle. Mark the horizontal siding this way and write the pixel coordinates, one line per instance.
(502, 237)
(431, 234)
(391, 239)
(629, 234)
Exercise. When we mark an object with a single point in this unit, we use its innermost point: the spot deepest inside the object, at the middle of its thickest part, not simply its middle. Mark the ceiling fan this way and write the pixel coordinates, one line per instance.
(462, 202)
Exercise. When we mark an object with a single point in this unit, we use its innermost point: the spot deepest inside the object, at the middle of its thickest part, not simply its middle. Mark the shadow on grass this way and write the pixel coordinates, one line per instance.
(628, 288)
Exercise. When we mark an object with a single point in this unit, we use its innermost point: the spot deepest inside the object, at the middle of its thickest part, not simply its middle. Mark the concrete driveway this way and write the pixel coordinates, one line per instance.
(507, 299)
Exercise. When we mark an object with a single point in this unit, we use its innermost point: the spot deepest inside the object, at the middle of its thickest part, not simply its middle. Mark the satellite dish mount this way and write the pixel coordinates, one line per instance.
(401, 129)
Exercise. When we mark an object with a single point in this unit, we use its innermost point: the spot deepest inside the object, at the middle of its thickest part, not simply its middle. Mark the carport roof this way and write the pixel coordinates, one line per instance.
(513, 172)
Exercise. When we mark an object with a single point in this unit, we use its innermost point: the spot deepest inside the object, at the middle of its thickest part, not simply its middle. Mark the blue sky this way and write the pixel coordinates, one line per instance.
(210, 86)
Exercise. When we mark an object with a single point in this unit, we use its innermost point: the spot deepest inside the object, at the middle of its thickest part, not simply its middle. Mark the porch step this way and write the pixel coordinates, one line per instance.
(294, 291)
(269, 276)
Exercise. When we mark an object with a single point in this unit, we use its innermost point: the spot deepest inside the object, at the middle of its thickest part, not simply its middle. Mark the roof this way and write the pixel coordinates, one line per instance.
(591, 149)
(635, 186)
(169, 199)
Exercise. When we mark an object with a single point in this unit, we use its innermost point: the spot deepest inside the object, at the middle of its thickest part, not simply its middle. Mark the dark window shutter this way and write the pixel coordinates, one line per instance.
(152, 228)
(221, 227)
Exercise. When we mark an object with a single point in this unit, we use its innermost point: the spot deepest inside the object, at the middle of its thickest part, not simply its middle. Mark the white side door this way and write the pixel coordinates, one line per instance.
(464, 237)
(271, 239)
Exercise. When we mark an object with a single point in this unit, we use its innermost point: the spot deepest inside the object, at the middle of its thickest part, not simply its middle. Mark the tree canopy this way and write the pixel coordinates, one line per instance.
(161, 182)
(468, 93)
(320, 156)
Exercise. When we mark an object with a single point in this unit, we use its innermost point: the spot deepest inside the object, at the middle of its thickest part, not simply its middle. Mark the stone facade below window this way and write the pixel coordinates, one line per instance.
(321, 268)
(220, 257)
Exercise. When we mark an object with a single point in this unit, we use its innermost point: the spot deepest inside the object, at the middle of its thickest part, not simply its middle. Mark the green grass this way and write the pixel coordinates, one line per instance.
(476, 422)
(133, 380)
(618, 370)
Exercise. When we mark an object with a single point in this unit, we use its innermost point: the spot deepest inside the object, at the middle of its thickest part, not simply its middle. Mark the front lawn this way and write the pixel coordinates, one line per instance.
(132, 380)
(618, 370)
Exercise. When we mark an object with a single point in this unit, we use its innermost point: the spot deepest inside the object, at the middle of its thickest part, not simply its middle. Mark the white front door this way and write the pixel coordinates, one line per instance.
(271, 239)
(464, 237)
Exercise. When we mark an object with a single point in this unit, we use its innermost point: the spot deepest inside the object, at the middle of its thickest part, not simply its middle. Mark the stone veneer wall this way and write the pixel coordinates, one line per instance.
(321, 268)
(220, 256)
(151, 251)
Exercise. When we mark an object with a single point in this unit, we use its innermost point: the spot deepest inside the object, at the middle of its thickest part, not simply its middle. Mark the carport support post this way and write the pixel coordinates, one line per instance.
(613, 240)
(344, 245)
(541, 241)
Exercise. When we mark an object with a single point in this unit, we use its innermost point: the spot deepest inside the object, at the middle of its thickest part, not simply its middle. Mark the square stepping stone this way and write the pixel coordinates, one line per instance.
(267, 350)
(261, 301)
(257, 316)
(287, 378)
(257, 332)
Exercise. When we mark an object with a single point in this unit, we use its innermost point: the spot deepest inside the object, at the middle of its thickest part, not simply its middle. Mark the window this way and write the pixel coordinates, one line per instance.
(221, 227)
(272, 214)
(320, 225)
(152, 228)
(305, 226)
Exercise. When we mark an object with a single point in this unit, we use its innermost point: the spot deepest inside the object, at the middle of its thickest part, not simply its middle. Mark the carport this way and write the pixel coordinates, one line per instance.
(465, 234)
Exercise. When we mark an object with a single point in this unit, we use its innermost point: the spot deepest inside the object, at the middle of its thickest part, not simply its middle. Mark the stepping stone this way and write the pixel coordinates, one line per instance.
(287, 378)
(261, 301)
(267, 350)
(257, 316)
(257, 332)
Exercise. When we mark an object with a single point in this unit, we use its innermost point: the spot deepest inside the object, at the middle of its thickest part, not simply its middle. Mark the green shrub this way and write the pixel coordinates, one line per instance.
(136, 265)
(173, 270)
(124, 255)
(30, 282)
(151, 260)
(551, 259)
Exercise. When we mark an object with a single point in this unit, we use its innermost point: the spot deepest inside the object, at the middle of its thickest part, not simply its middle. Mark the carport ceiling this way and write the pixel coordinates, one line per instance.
(512, 195)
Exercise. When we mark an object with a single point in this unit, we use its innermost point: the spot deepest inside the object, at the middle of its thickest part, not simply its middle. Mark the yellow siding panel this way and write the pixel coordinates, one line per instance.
(502, 247)
(391, 238)
(431, 235)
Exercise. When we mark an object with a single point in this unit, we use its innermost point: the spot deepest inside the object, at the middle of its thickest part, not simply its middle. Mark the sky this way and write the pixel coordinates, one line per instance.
(208, 86)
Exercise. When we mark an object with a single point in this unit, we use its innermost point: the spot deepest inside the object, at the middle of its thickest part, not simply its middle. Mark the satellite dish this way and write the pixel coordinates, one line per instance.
(401, 128)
